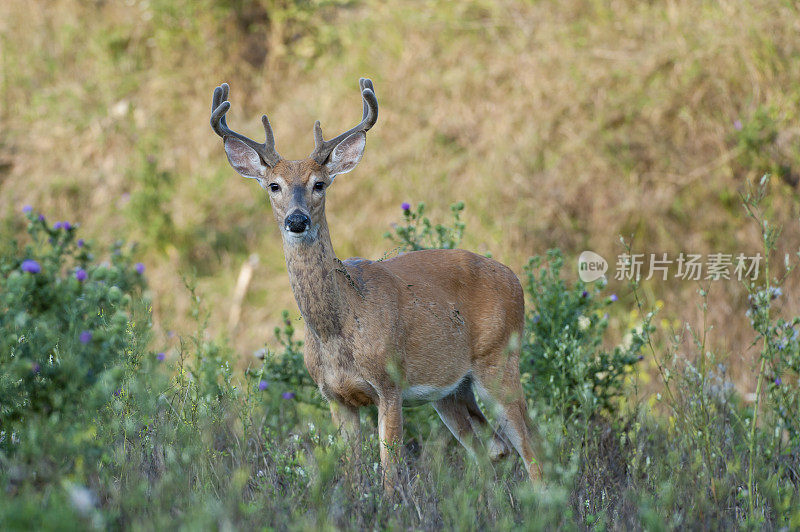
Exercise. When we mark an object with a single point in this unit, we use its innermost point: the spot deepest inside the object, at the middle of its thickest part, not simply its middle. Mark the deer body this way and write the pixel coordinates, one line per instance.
(425, 326)
(430, 326)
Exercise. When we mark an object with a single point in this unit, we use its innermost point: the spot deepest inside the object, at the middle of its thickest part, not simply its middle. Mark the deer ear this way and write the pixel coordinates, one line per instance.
(347, 154)
(244, 159)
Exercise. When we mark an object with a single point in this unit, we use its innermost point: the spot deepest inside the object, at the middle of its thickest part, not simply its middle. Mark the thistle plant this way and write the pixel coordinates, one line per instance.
(417, 232)
(67, 322)
(779, 356)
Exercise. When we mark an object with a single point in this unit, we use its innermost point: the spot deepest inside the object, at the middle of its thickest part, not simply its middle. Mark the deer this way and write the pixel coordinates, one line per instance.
(424, 326)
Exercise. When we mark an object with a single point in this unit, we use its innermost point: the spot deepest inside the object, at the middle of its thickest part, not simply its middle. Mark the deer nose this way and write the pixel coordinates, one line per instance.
(297, 222)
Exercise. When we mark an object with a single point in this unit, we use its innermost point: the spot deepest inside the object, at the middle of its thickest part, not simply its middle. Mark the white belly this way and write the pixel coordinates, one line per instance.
(424, 393)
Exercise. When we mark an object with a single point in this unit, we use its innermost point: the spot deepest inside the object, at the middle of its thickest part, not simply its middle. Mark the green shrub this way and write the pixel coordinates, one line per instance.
(564, 362)
(284, 372)
(73, 335)
(67, 327)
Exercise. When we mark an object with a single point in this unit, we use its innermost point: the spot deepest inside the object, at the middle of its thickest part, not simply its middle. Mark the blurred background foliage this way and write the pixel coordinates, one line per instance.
(560, 124)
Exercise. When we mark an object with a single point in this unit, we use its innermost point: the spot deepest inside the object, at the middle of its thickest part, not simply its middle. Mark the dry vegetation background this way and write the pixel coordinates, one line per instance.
(560, 124)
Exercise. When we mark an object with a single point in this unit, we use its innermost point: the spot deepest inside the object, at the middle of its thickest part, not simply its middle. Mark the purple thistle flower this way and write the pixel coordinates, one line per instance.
(139, 268)
(263, 385)
(81, 243)
(584, 294)
(85, 337)
(737, 125)
(288, 395)
(67, 226)
(26, 209)
(41, 217)
(57, 226)
(778, 381)
(80, 274)
(613, 297)
(405, 206)
(160, 357)
(31, 266)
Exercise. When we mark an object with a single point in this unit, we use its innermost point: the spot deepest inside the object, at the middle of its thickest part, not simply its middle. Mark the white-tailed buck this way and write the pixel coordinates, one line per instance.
(423, 326)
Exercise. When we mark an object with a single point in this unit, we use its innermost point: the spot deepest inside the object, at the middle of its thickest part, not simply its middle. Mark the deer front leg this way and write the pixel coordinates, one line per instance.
(348, 421)
(390, 433)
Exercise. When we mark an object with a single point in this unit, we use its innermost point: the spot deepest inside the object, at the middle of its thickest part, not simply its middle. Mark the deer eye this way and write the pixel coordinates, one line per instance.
(274, 187)
(319, 186)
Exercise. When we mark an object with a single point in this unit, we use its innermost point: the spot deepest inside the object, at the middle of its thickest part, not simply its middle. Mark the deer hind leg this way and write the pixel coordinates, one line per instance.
(499, 446)
(499, 385)
(456, 417)
(461, 414)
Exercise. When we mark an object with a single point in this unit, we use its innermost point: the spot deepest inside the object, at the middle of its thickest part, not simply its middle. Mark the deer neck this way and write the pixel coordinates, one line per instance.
(313, 266)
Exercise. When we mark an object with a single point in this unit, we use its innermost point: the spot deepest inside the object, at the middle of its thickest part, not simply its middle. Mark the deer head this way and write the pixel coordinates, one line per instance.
(296, 188)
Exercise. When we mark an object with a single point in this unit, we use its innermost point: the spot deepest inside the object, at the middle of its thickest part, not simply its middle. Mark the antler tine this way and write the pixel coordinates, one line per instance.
(365, 83)
(220, 106)
(323, 148)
